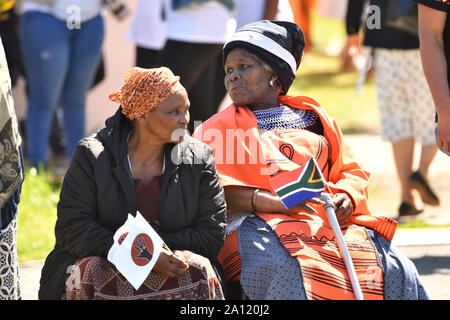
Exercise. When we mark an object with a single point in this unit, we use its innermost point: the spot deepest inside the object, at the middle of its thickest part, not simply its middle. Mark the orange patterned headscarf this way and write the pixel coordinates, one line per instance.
(144, 89)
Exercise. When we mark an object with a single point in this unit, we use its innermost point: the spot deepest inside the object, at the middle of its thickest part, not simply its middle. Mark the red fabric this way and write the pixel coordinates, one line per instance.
(148, 199)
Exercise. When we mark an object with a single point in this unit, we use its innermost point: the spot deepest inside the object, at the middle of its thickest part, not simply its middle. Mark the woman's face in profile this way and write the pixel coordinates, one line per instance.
(169, 120)
(246, 78)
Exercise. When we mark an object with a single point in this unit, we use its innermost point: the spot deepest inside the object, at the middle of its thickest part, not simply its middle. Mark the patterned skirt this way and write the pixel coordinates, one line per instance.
(97, 278)
(9, 265)
(269, 272)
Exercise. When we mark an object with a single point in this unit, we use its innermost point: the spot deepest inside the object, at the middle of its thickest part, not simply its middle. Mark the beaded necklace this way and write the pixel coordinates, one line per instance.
(285, 117)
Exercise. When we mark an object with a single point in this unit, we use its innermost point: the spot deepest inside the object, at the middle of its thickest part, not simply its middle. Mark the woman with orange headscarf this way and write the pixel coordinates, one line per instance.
(144, 161)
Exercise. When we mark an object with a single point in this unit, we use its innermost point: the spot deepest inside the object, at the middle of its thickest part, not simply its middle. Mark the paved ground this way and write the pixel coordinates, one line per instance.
(432, 261)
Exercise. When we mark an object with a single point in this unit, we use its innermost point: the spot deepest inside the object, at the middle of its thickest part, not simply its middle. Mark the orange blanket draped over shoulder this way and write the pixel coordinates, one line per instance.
(235, 140)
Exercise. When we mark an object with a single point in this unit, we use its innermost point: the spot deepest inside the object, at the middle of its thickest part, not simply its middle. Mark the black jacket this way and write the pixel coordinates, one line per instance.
(98, 192)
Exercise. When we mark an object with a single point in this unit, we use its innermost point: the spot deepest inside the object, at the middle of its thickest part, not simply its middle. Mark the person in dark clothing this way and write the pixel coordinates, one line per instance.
(404, 99)
(144, 161)
(434, 33)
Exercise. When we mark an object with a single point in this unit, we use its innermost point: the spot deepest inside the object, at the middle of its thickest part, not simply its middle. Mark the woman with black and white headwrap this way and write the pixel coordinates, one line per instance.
(272, 251)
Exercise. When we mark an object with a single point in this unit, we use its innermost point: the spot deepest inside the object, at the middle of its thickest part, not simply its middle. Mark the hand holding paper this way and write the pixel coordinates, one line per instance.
(136, 249)
(169, 265)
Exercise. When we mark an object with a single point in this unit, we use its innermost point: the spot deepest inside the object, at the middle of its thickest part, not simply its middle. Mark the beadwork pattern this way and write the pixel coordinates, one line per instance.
(285, 117)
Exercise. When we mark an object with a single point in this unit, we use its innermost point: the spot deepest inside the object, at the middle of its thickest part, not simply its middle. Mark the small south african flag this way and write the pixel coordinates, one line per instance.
(300, 184)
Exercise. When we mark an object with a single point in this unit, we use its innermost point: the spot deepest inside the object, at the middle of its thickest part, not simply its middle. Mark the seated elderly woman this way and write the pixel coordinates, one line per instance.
(277, 252)
(143, 161)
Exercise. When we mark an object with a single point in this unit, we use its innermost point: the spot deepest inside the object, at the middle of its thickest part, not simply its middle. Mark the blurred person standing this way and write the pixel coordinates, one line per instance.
(301, 10)
(11, 178)
(404, 100)
(61, 43)
(434, 34)
(248, 11)
(196, 32)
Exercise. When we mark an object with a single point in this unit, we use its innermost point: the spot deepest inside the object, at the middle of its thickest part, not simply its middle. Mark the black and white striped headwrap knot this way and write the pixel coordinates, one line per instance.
(280, 44)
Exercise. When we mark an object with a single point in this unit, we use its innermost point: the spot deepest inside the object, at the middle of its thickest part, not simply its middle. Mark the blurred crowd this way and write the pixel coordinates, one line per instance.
(58, 52)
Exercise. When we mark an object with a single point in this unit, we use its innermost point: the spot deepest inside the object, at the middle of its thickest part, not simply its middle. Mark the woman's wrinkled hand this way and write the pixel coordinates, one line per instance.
(304, 206)
(170, 265)
(343, 207)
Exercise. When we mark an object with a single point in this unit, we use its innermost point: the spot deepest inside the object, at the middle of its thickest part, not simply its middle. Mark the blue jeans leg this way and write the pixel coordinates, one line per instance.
(60, 65)
(85, 54)
(45, 50)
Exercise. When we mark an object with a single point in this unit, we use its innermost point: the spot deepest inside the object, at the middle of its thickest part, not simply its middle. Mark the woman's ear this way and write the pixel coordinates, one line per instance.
(274, 81)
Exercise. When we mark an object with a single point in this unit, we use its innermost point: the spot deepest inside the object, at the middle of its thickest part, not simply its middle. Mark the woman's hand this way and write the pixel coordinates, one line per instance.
(268, 202)
(170, 265)
(239, 199)
(343, 207)
(303, 206)
(341, 201)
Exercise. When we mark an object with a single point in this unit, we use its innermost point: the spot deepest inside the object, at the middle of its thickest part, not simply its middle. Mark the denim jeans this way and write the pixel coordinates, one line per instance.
(60, 64)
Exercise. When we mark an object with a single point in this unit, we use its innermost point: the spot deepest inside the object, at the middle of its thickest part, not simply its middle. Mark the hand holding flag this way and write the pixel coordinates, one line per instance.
(296, 187)
(299, 185)
(136, 249)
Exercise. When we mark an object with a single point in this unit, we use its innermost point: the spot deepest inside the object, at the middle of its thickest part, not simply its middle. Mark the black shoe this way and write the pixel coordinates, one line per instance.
(425, 191)
(408, 210)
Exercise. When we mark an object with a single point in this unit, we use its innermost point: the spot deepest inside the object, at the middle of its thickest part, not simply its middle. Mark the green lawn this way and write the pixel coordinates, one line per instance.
(37, 216)
(319, 78)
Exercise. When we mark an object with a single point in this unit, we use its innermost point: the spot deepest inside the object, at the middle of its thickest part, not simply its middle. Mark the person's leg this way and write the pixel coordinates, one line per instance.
(219, 82)
(147, 58)
(191, 61)
(269, 272)
(188, 60)
(396, 124)
(44, 46)
(202, 97)
(423, 119)
(427, 155)
(9, 275)
(403, 151)
(401, 278)
(86, 44)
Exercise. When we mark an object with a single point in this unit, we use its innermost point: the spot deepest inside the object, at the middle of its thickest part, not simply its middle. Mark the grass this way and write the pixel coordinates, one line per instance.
(421, 224)
(37, 216)
(319, 78)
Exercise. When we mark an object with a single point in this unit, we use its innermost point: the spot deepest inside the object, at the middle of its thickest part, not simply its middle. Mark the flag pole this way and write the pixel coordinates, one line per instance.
(329, 207)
